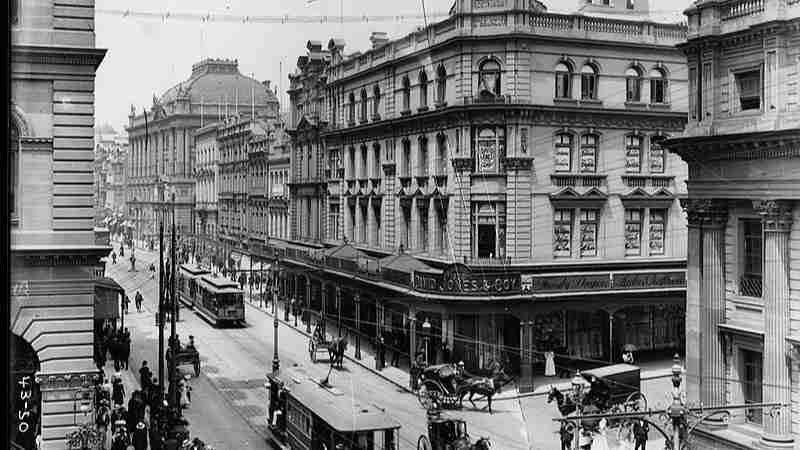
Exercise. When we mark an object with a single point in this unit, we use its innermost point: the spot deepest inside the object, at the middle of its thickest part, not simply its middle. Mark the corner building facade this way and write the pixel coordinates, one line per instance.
(55, 250)
(499, 176)
(742, 145)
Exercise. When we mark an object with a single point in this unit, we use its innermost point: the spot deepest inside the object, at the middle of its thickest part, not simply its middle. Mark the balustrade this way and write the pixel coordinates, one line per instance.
(742, 8)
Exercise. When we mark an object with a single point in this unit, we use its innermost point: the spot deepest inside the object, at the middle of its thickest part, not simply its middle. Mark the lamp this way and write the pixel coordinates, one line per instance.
(426, 328)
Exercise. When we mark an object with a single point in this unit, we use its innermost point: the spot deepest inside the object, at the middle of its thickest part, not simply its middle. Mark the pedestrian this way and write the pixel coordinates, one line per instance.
(122, 251)
(126, 301)
(445, 353)
(640, 431)
(144, 376)
(133, 263)
(188, 390)
(183, 389)
(381, 353)
(395, 345)
(565, 436)
(138, 300)
(140, 436)
(103, 416)
(113, 257)
(126, 351)
(118, 394)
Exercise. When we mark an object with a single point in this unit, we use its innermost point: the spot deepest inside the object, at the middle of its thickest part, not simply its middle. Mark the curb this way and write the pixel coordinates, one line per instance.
(349, 358)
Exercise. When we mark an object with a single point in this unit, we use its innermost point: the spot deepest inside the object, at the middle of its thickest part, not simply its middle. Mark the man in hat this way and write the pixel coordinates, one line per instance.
(144, 376)
(640, 431)
(140, 436)
(118, 393)
(113, 257)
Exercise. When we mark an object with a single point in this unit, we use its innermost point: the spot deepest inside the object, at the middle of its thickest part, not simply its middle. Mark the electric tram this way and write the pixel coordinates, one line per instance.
(219, 300)
(187, 283)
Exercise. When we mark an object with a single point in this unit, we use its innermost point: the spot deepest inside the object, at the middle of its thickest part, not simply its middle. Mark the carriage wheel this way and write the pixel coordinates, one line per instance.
(423, 443)
(636, 402)
(429, 394)
(312, 350)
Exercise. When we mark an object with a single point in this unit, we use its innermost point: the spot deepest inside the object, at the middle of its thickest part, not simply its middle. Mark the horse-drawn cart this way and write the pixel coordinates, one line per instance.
(318, 343)
(187, 355)
(442, 386)
(449, 433)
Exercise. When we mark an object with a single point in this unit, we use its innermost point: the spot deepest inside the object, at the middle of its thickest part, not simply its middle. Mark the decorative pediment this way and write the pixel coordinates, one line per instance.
(402, 192)
(594, 197)
(439, 193)
(636, 194)
(568, 193)
(663, 193)
(639, 195)
(595, 193)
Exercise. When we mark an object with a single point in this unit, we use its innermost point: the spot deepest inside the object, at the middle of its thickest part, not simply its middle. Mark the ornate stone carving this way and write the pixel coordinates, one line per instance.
(776, 215)
(705, 212)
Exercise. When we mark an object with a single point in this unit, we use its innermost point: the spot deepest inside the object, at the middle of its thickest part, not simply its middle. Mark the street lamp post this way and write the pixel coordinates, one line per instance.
(276, 363)
(426, 329)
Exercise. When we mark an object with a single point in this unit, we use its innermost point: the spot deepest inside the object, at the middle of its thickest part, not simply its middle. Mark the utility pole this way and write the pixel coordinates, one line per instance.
(173, 386)
(160, 313)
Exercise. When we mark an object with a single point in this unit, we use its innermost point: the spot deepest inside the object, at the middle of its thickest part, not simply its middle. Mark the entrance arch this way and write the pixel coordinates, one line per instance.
(26, 404)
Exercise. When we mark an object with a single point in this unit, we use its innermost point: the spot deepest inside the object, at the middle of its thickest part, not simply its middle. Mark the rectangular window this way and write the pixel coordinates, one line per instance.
(633, 154)
(405, 236)
(562, 233)
(771, 80)
(423, 158)
(589, 222)
(406, 159)
(748, 85)
(489, 229)
(334, 222)
(708, 87)
(562, 84)
(633, 86)
(657, 155)
(752, 368)
(423, 226)
(633, 232)
(658, 231)
(588, 153)
(629, 4)
(563, 156)
(658, 90)
(750, 279)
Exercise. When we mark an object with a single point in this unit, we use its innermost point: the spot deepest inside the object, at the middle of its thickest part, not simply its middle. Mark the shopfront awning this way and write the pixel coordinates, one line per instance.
(107, 294)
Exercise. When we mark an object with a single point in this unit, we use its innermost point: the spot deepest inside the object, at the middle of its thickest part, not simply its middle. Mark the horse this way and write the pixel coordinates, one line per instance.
(565, 405)
(482, 444)
(336, 350)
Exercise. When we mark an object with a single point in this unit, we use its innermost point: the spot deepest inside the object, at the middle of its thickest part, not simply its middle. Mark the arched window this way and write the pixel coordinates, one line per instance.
(563, 153)
(13, 170)
(489, 78)
(352, 108)
(376, 101)
(423, 89)
(633, 85)
(658, 86)
(441, 84)
(363, 105)
(563, 80)
(406, 94)
(588, 83)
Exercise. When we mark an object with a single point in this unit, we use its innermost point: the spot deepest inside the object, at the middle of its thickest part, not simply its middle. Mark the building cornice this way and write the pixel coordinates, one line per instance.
(739, 146)
(72, 56)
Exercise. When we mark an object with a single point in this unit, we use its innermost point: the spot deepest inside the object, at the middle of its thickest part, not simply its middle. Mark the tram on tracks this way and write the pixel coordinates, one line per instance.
(219, 300)
(304, 414)
(188, 293)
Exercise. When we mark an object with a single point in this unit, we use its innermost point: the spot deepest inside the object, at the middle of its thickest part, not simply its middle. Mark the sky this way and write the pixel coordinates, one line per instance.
(146, 56)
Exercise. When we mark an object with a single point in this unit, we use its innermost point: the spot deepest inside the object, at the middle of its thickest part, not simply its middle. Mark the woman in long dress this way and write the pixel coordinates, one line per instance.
(625, 437)
(549, 364)
(600, 441)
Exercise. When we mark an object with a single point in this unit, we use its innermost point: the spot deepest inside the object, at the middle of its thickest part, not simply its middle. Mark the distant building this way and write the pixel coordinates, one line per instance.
(111, 152)
(206, 191)
(161, 161)
(498, 175)
(742, 145)
(55, 249)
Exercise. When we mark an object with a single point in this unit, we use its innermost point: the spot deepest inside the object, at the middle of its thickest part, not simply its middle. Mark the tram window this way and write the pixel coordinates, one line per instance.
(366, 440)
(389, 440)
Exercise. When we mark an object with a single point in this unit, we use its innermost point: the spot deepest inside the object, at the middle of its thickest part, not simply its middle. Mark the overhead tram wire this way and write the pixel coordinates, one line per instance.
(266, 19)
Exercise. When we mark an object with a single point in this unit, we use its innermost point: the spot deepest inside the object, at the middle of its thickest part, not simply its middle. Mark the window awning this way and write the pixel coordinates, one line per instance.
(106, 298)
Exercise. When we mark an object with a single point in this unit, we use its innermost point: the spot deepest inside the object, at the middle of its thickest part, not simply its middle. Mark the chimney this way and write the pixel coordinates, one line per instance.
(378, 38)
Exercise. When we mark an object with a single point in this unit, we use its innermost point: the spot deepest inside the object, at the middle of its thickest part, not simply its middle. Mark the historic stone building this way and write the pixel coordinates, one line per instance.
(206, 189)
(742, 145)
(55, 251)
(498, 175)
(162, 161)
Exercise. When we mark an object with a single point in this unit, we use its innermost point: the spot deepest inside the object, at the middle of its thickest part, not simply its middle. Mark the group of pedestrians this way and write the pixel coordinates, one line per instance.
(127, 425)
(116, 344)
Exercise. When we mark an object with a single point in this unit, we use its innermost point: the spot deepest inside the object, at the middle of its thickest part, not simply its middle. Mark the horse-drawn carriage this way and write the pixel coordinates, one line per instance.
(445, 386)
(319, 343)
(187, 355)
(615, 388)
(446, 433)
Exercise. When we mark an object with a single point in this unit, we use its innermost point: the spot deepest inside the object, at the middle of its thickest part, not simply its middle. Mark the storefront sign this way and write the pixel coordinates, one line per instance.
(649, 280)
(567, 283)
(459, 278)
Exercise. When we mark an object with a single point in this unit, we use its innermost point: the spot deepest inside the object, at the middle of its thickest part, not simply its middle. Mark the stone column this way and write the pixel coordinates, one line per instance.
(357, 300)
(413, 241)
(526, 357)
(359, 221)
(392, 206)
(777, 224)
(307, 304)
(371, 241)
(712, 292)
(412, 332)
(693, 284)
(338, 294)
(433, 228)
